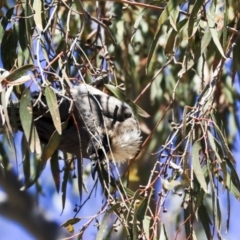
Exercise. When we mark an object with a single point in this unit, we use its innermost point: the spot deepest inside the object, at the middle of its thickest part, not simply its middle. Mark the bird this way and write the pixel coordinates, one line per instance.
(98, 127)
(111, 124)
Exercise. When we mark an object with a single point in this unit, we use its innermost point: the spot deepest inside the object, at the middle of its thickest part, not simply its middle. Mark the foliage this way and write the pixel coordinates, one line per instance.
(171, 58)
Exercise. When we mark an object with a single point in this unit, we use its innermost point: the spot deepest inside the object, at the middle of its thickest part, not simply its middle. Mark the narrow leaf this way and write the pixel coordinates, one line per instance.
(163, 232)
(53, 108)
(172, 4)
(213, 30)
(6, 92)
(197, 166)
(26, 117)
(205, 220)
(37, 7)
(52, 145)
(55, 170)
(71, 221)
(193, 17)
(18, 73)
(64, 184)
(102, 232)
(146, 226)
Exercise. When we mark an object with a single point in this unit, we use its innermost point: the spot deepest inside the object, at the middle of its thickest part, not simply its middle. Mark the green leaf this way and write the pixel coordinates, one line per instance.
(52, 145)
(224, 144)
(80, 175)
(6, 92)
(38, 170)
(103, 230)
(194, 19)
(205, 220)
(222, 162)
(64, 183)
(172, 5)
(26, 161)
(236, 59)
(174, 17)
(5, 21)
(197, 166)
(69, 224)
(9, 45)
(4, 157)
(30, 26)
(129, 192)
(18, 73)
(26, 117)
(53, 108)
(218, 217)
(140, 209)
(54, 162)
(146, 226)
(163, 232)
(37, 7)
(206, 40)
(140, 17)
(71, 221)
(169, 47)
(186, 214)
(232, 188)
(213, 30)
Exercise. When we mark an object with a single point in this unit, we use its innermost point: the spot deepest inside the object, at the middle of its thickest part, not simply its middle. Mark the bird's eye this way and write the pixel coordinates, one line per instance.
(127, 115)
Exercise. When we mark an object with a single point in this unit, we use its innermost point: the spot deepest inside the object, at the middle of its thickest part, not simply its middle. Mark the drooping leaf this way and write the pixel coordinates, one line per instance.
(71, 221)
(236, 60)
(140, 208)
(169, 47)
(37, 7)
(163, 232)
(205, 220)
(197, 166)
(64, 183)
(26, 117)
(205, 41)
(55, 169)
(26, 160)
(103, 230)
(20, 72)
(8, 48)
(171, 5)
(213, 141)
(52, 144)
(80, 175)
(232, 188)
(38, 170)
(194, 18)
(6, 92)
(213, 30)
(53, 108)
(146, 226)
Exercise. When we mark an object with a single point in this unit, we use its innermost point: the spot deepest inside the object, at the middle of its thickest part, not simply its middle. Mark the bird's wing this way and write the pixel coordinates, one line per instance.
(97, 108)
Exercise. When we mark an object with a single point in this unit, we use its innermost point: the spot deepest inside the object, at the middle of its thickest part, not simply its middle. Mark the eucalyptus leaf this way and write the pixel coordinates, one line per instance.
(103, 230)
(197, 166)
(53, 108)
